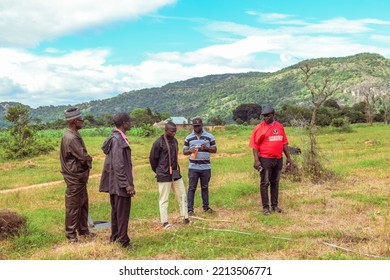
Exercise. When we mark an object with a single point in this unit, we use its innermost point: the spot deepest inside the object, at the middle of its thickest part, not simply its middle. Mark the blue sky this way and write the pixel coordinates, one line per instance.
(65, 52)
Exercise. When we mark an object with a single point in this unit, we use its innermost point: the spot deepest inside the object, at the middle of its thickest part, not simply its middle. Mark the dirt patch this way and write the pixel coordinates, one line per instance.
(48, 184)
(6, 166)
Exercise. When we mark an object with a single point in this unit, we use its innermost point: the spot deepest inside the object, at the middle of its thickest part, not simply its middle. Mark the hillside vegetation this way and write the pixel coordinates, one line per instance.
(220, 94)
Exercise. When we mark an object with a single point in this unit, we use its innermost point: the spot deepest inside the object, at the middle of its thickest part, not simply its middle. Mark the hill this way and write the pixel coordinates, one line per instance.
(221, 94)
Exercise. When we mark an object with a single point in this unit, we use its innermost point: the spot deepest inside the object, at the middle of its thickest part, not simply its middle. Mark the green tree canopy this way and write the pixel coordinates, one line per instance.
(21, 143)
(245, 112)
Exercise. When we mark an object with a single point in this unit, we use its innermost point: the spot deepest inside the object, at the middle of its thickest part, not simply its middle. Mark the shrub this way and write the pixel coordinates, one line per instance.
(21, 142)
(14, 149)
(143, 131)
(10, 223)
(342, 124)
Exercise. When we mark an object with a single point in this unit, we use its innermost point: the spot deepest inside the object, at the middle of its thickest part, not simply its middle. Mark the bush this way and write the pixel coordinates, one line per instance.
(10, 223)
(14, 149)
(245, 112)
(254, 122)
(20, 142)
(338, 122)
(143, 131)
(342, 124)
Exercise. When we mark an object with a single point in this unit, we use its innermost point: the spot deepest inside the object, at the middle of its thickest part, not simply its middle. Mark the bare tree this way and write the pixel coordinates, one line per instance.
(371, 96)
(384, 102)
(320, 92)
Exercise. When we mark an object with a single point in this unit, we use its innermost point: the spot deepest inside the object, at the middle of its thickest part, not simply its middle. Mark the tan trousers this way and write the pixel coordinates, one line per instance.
(164, 189)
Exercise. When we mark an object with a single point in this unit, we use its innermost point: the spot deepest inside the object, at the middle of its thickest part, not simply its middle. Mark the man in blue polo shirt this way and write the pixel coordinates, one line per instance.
(198, 145)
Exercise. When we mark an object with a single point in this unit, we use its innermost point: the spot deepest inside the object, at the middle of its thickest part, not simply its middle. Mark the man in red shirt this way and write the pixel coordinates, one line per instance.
(268, 142)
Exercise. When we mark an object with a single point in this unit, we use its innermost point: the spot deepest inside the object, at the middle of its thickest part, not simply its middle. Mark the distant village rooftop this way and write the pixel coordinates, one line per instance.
(177, 120)
(180, 122)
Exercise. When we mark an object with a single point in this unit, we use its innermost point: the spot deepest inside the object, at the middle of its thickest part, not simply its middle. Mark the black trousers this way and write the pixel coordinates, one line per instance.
(120, 214)
(270, 176)
(194, 176)
(76, 211)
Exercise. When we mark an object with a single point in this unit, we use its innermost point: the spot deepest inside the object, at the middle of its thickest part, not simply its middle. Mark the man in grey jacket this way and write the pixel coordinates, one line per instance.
(117, 178)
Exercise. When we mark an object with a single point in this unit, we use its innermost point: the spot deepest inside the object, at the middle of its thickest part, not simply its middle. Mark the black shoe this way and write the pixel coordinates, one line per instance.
(266, 212)
(186, 221)
(89, 235)
(191, 213)
(277, 209)
(209, 210)
(73, 240)
(130, 247)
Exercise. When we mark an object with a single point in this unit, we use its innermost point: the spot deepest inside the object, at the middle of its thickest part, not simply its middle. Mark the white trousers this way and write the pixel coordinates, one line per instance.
(164, 189)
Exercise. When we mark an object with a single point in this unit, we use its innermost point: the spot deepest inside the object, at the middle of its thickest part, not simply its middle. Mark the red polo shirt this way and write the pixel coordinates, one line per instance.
(269, 139)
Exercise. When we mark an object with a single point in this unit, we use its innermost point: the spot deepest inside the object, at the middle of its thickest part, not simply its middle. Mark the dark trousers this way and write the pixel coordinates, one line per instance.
(120, 213)
(193, 177)
(270, 176)
(76, 211)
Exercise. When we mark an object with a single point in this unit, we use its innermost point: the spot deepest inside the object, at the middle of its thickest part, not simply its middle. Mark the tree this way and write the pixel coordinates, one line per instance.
(142, 116)
(90, 120)
(245, 112)
(332, 103)
(324, 116)
(294, 115)
(355, 114)
(216, 120)
(22, 142)
(384, 102)
(320, 92)
(160, 116)
(145, 116)
(105, 120)
(19, 116)
(370, 92)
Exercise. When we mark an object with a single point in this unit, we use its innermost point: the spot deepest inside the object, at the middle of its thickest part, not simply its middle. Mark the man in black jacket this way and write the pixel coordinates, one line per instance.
(117, 178)
(163, 159)
(75, 166)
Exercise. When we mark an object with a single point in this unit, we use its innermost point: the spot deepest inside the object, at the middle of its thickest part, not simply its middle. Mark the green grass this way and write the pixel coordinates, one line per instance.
(352, 206)
(378, 200)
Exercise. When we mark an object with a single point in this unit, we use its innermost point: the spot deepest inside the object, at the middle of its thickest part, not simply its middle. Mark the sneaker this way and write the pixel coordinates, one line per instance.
(191, 213)
(209, 210)
(277, 209)
(266, 212)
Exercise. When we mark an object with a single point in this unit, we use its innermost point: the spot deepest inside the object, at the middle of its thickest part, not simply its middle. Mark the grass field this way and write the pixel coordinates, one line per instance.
(345, 217)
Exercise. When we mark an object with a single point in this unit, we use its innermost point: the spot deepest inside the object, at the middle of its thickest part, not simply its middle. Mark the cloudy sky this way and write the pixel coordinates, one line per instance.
(56, 52)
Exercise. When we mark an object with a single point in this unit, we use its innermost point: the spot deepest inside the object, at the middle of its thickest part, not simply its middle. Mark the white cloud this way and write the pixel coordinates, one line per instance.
(26, 23)
(37, 80)
(62, 77)
(381, 38)
(338, 26)
(83, 76)
(276, 18)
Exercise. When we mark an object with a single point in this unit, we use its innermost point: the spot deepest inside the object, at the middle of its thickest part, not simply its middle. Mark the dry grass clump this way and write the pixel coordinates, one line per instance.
(11, 223)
